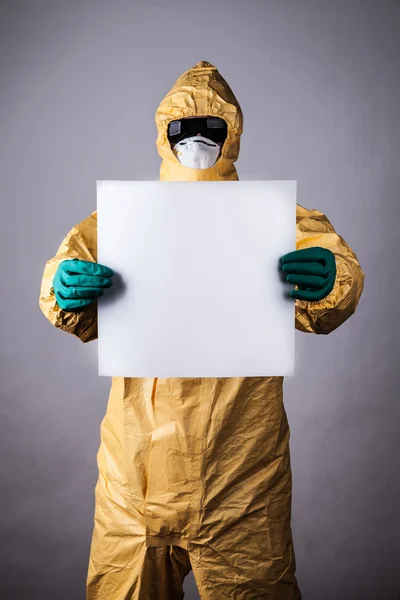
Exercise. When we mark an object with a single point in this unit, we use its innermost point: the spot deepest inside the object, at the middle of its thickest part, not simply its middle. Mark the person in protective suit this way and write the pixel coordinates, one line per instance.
(195, 473)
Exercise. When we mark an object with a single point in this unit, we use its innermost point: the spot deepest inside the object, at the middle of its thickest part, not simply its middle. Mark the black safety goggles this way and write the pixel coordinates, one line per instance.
(213, 128)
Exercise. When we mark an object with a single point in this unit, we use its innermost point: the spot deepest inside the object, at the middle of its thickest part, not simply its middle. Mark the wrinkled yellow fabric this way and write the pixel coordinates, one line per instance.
(195, 473)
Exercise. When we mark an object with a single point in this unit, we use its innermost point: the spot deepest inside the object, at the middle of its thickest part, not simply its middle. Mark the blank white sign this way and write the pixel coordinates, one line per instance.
(198, 291)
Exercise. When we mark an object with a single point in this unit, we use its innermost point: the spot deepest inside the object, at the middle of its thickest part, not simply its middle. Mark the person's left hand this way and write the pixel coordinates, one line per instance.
(313, 270)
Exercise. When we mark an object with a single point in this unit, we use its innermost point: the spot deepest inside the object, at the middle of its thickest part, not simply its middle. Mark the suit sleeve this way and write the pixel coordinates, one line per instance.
(323, 316)
(81, 243)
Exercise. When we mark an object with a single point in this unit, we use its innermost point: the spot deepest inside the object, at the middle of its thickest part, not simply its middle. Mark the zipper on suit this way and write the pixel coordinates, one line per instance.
(153, 393)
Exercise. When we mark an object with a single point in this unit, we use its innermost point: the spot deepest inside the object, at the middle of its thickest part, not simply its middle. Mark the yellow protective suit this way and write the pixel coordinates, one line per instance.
(195, 473)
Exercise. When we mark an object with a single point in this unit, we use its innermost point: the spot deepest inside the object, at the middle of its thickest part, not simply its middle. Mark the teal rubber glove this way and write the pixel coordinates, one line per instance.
(78, 283)
(313, 270)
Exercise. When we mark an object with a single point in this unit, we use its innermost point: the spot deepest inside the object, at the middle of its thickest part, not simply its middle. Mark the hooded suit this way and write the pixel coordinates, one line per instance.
(195, 473)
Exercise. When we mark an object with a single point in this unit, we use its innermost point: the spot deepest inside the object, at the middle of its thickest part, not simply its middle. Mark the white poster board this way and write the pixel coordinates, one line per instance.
(198, 290)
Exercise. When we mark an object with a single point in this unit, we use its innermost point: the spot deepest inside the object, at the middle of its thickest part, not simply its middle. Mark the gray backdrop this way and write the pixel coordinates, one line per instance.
(318, 82)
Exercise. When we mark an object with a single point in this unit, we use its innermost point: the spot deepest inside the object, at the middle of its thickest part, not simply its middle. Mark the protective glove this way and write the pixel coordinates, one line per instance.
(78, 283)
(313, 270)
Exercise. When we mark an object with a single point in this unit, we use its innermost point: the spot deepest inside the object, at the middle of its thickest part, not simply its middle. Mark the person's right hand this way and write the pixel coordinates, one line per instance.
(78, 283)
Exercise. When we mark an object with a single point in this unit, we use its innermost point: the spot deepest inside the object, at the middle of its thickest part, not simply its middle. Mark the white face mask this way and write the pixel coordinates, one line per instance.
(197, 152)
